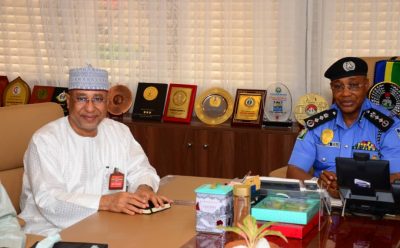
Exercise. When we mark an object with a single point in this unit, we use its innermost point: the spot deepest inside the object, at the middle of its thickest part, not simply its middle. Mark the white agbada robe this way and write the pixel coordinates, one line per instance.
(66, 174)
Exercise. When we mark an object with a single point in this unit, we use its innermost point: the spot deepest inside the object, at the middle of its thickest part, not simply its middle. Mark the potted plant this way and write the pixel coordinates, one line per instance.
(252, 234)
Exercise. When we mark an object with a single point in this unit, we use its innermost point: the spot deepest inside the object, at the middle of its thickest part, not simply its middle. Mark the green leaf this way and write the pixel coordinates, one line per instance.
(250, 231)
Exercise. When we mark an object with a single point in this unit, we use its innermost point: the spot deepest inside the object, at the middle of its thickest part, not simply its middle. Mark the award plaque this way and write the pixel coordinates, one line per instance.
(119, 101)
(3, 85)
(214, 106)
(180, 101)
(278, 106)
(248, 108)
(149, 101)
(41, 94)
(386, 94)
(309, 105)
(60, 97)
(17, 92)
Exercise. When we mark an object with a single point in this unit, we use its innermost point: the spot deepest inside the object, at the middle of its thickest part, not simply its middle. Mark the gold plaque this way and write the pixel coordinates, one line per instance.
(309, 105)
(150, 93)
(180, 103)
(214, 106)
(16, 92)
(248, 107)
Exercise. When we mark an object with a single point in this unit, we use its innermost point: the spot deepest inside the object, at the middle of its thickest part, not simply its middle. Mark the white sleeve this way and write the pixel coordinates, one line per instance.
(139, 170)
(50, 189)
(10, 230)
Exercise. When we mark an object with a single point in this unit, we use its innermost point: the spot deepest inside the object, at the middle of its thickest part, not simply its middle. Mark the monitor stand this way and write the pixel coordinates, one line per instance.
(375, 206)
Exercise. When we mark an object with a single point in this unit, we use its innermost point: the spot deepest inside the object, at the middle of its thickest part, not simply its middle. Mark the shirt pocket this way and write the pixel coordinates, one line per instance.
(372, 154)
(326, 155)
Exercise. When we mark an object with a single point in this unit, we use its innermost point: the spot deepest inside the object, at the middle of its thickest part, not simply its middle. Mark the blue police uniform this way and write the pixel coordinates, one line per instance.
(375, 133)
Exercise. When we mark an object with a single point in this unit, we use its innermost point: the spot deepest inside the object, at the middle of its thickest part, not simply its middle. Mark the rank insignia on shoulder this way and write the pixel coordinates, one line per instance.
(320, 118)
(379, 119)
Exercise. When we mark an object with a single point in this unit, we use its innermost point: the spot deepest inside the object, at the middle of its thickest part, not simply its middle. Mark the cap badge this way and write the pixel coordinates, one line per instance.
(349, 66)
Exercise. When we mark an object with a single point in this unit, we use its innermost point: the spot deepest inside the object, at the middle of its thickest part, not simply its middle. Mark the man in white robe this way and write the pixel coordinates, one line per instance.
(69, 162)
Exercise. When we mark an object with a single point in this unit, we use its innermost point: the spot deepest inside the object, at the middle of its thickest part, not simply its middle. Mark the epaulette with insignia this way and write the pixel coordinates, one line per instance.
(320, 118)
(380, 120)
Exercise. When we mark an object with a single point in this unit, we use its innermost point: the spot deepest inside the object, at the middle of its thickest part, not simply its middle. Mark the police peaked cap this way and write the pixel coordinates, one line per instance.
(347, 67)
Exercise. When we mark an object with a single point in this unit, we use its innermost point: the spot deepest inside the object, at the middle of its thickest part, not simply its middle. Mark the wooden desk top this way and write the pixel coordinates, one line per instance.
(176, 227)
(170, 228)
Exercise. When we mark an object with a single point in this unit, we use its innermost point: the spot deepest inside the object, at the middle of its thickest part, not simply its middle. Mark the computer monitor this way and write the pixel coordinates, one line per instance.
(363, 176)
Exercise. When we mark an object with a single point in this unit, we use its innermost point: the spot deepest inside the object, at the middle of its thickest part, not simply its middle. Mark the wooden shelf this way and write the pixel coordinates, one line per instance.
(197, 149)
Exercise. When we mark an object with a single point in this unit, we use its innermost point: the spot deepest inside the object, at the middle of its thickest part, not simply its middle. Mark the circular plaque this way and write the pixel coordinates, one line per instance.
(119, 99)
(150, 93)
(16, 92)
(309, 105)
(214, 106)
(179, 97)
(278, 103)
(386, 94)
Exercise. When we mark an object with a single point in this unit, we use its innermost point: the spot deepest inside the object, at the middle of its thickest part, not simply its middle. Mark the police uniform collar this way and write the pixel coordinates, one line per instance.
(366, 105)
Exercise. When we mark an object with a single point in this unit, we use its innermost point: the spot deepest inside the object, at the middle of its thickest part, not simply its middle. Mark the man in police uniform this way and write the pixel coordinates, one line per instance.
(352, 124)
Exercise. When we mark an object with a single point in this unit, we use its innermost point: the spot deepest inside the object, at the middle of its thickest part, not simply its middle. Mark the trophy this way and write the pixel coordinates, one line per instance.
(278, 106)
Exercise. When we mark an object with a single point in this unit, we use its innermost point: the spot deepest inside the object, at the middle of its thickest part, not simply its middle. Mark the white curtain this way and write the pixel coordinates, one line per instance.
(340, 28)
(227, 43)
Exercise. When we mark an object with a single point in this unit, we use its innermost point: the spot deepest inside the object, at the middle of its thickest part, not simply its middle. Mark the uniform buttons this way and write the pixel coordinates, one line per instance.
(346, 146)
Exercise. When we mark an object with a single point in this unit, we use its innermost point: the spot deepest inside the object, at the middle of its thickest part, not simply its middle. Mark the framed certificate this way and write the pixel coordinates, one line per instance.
(248, 108)
(41, 93)
(180, 103)
(214, 106)
(149, 101)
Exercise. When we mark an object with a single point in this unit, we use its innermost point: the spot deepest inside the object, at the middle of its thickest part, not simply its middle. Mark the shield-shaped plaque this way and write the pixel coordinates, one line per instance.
(278, 105)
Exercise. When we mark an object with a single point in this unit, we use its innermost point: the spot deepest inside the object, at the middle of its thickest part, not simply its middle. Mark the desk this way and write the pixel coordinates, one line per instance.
(176, 226)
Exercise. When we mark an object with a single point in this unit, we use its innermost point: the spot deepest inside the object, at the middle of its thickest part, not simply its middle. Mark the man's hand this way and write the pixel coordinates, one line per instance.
(328, 180)
(123, 202)
(147, 193)
(132, 203)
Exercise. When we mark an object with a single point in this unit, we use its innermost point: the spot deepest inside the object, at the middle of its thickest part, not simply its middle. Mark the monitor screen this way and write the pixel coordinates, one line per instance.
(362, 175)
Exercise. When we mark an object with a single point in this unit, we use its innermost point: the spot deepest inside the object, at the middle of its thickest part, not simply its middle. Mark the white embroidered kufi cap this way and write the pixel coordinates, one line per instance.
(88, 78)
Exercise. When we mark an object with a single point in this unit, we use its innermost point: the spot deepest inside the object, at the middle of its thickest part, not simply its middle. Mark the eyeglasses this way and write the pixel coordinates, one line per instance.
(338, 87)
(96, 100)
